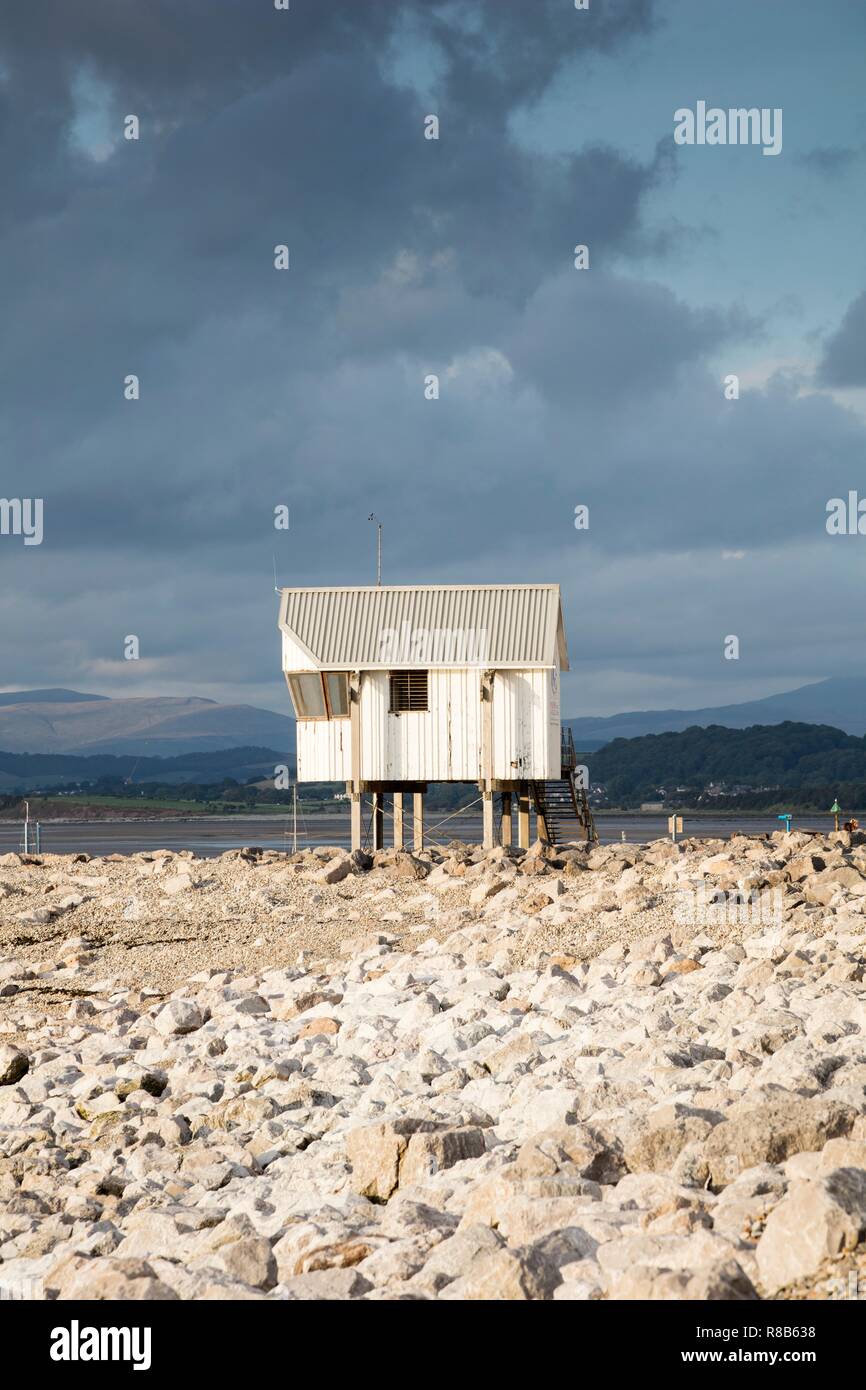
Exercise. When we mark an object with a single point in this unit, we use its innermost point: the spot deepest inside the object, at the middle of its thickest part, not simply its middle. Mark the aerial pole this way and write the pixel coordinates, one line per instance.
(373, 517)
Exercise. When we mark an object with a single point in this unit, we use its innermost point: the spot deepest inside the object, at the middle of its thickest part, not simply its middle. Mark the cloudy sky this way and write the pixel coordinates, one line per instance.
(411, 257)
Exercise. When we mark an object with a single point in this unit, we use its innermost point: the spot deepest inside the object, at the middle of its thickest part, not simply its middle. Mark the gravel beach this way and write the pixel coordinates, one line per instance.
(569, 1073)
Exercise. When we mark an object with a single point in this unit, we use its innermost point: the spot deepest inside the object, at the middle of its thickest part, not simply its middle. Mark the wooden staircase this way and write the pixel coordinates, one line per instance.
(562, 805)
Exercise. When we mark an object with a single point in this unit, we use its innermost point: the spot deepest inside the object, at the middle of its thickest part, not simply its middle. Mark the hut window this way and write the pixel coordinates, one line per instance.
(337, 689)
(408, 691)
(308, 696)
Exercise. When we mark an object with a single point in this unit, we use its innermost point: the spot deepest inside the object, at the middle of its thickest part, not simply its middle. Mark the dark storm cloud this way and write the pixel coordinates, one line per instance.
(844, 360)
(598, 339)
(177, 59)
(156, 258)
(409, 257)
(160, 261)
(173, 62)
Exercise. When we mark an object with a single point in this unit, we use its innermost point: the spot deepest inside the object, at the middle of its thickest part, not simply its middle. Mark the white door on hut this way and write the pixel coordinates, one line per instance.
(516, 705)
(522, 748)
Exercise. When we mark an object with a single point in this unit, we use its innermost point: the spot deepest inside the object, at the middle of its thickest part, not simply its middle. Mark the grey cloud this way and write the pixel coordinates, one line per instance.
(831, 161)
(595, 338)
(409, 257)
(844, 359)
(161, 262)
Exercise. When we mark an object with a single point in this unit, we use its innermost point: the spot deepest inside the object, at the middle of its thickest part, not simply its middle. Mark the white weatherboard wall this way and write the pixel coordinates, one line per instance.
(294, 656)
(522, 747)
(439, 745)
(324, 750)
(324, 745)
(442, 744)
(554, 721)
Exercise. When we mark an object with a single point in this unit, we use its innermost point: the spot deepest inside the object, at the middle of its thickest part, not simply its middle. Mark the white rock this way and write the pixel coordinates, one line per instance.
(815, 1221)
(178, 1016)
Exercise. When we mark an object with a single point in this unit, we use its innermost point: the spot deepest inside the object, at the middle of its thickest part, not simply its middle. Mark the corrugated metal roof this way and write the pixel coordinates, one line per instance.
(489, 625)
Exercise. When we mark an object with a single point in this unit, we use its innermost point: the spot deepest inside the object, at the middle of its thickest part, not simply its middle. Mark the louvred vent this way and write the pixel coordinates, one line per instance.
(408, 691)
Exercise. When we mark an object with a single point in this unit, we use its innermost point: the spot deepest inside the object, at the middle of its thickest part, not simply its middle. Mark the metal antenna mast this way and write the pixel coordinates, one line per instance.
(373, 517)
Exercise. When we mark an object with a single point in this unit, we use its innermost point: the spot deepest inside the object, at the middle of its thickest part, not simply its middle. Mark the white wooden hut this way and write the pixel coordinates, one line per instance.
(398, 686)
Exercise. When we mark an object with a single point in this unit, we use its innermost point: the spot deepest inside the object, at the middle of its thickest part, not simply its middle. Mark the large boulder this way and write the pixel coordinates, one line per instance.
(574, 1150)
(334, 871)
(13, 1065)
(247, 1260)
(822, 887)
(407, 1150)
(429, 1152)
(773, 1132)
(507, 1275)
(178, 1016)
(722, 1281)
(181, 882)
(654, 1148)
(328, 1285)
(523, 1208)
(457, 1256)
(408, 866)
(814, 1222)
(113, 1280)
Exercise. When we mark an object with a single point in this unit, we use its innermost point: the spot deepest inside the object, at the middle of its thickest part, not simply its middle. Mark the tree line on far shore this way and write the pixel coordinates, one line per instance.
(767, 766)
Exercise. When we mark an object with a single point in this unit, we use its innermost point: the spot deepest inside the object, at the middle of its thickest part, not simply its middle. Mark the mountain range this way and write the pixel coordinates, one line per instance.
(68, 721)
(839, 701)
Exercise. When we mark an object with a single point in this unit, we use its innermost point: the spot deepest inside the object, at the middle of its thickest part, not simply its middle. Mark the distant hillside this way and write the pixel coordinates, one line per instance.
(41, 697)
(24, 771)
(788, 755)
(67, 721)
(63, 721)
(840, 702)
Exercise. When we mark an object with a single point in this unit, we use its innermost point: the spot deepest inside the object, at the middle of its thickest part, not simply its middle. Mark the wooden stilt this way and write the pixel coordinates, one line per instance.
(506, 818)
(417, 820)
(378, 820)
(487, 806)
(523, 816)
(398, 820)
(355, 732)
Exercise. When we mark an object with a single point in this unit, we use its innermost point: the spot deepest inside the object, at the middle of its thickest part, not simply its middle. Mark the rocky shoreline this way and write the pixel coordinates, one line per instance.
(578, 1073)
